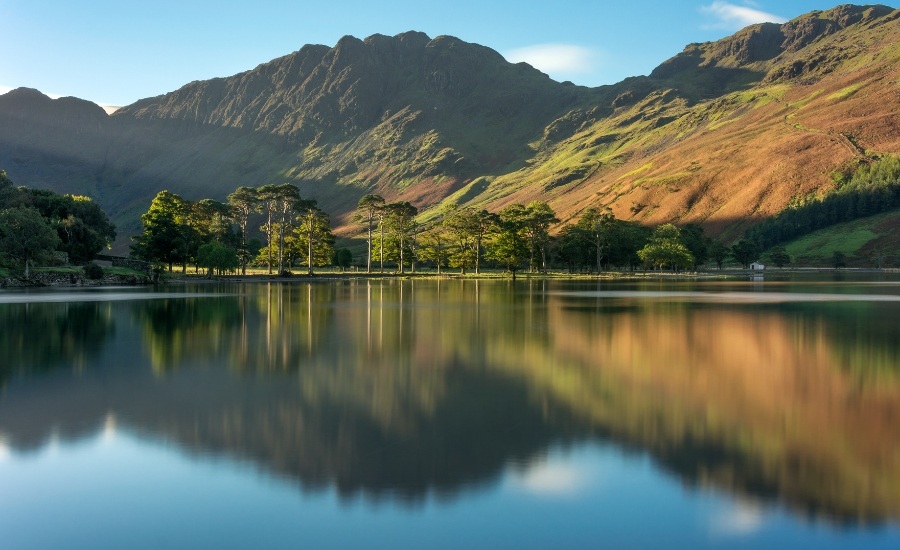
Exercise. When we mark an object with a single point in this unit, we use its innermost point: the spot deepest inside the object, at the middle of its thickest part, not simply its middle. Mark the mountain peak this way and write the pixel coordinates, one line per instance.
(748, 55)
(350, 87)
(22, 92)
(23, 102)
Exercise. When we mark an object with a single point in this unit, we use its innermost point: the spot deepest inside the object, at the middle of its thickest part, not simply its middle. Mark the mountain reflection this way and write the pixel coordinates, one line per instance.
(408, 388)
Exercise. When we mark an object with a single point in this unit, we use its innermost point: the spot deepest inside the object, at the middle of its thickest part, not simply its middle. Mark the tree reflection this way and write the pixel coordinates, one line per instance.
(45, 336)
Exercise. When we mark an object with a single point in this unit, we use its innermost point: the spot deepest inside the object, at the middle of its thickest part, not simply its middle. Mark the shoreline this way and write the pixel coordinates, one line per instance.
(68, 279)
(178, 278)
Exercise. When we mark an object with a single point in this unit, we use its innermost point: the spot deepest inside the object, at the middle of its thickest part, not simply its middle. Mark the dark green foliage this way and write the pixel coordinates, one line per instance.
(510, 246)
(779, 256)
(242, 203)
(598, 227)
(619, 241)
(574, 247)
(467, 229)
(434, 245)
(217, 257)
(399, 228)
(368, 209)
(165, 237)
(253, 245)
(538, 218)
(666, 250)
(838, 259)
(696, 242)
(81, 225)
(7, 190)
(280, 203)
(93, 271)
(873, 188)
(343, 258)
(745, 252)
(25, 237)
(175, 231)
(718, 253)
(312, 241)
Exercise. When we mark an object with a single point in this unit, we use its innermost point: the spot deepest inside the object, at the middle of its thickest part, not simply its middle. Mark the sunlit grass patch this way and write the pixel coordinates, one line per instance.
(636, 171)
(846, 92)
(847, 238)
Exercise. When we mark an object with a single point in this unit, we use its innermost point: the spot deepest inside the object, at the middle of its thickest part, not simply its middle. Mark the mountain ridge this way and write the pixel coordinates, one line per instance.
(440, 121)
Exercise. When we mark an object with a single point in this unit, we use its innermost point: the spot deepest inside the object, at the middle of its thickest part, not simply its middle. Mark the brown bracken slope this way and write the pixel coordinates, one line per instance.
(804, 100)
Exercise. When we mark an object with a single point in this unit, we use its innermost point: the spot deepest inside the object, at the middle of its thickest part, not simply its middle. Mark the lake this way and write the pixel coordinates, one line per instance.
(453, 414)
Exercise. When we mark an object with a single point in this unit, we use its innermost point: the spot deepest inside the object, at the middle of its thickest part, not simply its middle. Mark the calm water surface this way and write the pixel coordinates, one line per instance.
(452, 414)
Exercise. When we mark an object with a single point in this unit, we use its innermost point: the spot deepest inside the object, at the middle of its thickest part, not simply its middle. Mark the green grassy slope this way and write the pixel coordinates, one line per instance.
(863, 242)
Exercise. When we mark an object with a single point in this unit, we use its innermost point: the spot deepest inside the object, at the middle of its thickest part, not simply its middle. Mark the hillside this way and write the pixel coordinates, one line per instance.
(723, 133)
(785, 107)
(864, 242)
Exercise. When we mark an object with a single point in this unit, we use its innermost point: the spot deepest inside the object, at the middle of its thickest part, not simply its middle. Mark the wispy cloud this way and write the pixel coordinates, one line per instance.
(725, 15)
(554, 59)
(551, 479)
(745, 518)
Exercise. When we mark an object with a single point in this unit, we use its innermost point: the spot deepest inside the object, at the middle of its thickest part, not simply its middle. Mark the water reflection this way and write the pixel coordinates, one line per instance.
(405, 389)
(39, 337)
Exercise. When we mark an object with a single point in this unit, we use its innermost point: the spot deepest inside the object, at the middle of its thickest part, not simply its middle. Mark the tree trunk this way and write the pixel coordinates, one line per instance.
(309, 258)
(369, 256)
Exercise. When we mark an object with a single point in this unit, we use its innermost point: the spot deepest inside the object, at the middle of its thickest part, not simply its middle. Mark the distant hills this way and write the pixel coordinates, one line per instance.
(723, 133)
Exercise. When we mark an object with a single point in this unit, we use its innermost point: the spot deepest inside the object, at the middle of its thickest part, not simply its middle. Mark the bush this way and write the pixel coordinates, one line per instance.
(93, 271)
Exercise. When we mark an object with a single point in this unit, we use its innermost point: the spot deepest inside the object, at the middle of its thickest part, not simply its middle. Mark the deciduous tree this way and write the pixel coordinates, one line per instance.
(312, 237)
(217, 257)
(26, 236)
(665, 249)
(538, 218)
(400, 223)
(745, 252)
(599, 224)
(509, 246)
(162, 239)
(435, 246)
(368, 209)
(243, 202)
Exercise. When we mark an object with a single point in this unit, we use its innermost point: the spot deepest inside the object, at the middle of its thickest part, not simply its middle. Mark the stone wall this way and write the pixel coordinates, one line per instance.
(137, 265)
(71, 279)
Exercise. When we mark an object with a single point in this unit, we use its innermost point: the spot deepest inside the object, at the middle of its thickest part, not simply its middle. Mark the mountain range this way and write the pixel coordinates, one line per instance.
(723, 134)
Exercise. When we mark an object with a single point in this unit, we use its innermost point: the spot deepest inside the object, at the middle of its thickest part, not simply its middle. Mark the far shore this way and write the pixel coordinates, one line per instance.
(49, 278)
(177, 277)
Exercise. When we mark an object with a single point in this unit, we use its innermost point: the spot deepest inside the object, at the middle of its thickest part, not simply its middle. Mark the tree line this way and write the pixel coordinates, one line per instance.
(518, 237)
(37, 226)
(216, 236)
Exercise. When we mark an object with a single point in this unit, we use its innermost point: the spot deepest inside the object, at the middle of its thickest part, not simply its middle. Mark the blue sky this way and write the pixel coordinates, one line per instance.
(116, 52)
